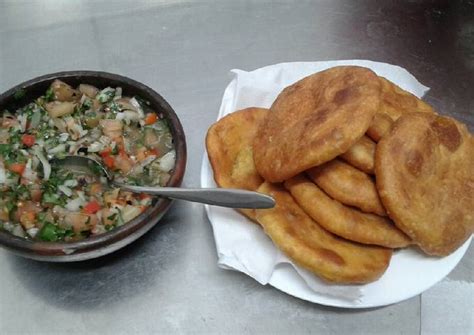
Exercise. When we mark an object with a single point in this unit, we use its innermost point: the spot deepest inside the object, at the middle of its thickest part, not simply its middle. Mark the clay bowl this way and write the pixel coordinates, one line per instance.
(115, 239)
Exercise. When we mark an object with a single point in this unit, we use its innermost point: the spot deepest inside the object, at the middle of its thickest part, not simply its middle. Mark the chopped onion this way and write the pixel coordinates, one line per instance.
(63, 137)
(139, 108)
(75, 204)
(57, 149)
(95, 133)
(128, 116)
(139, 167)
(130, 212)
(33, 231)
(29, 173)
(118, 93)
(95, 147)
(66, 190)
(3, 173)
(81, 195)
(44, 162)
(84, 98)
(23, 121)
(105, 140)
(18, 231)
(71, 183)
(167, 162)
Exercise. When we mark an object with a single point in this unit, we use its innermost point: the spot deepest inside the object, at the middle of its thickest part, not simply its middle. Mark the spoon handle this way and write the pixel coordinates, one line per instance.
(225, 197)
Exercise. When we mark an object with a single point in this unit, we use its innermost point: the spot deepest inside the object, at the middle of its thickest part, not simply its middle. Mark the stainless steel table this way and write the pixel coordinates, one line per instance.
(168, 281)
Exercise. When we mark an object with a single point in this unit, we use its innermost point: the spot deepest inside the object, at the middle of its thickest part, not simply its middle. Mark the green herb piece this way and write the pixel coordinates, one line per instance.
(5, 150)
(52, 233)
(49, 232)
(53, 199)
(106, 95)
(49, 95)
(114, 107)
(19, 94)
(15, 135)
(20, 192)
(112, 217)
(85, 106)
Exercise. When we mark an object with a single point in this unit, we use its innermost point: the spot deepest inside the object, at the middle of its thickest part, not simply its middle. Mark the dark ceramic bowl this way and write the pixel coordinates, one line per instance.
(113, 240)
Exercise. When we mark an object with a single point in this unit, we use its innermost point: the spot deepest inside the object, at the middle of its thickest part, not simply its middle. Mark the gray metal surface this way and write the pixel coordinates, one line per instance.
(168, 281)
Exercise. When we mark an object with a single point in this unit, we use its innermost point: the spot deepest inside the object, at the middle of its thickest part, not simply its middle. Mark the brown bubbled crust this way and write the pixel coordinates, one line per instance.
(315, 120)
(425, 177)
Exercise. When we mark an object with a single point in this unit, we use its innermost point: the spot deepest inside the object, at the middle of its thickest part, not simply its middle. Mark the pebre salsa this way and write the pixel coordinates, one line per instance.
(41, 201)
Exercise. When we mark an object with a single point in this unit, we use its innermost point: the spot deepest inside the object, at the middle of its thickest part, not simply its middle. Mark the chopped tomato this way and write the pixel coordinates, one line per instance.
(28, 140)
(109, 161)
(27, 219)
(151, 118)
(143, 196)
(106, 152)
(152, 152)
(124, 163)
(92, 207)
(17, 168)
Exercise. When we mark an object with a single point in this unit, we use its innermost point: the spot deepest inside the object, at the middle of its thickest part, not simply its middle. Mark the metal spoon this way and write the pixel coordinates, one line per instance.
(233, 198)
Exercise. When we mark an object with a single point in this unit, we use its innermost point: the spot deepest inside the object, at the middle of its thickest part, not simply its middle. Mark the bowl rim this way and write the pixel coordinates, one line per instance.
(113, 240)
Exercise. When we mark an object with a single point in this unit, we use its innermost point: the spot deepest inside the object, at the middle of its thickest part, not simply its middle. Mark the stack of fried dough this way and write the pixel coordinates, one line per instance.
(358, 167)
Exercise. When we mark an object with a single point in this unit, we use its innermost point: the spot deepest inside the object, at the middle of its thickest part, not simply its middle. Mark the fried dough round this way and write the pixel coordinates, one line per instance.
(315, 120)
(396, 101)
(348, 185)
(381, 125)
(361, 155)
(342, 220)
(310, 246)
(229, 147)
(425, 178)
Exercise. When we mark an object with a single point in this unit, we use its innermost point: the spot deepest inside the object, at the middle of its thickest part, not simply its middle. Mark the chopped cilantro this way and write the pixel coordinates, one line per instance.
(53, 199)
(52, 233)
(112, 217)
(20, 94)
(114, 107)
(85, 106)
(49, 95)
(106, 95)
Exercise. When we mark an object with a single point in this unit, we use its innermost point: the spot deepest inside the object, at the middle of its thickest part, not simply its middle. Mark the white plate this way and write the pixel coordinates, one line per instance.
(410, 272)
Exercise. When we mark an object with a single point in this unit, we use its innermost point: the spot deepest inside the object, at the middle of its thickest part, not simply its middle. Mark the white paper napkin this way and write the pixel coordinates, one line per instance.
(242, 245)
